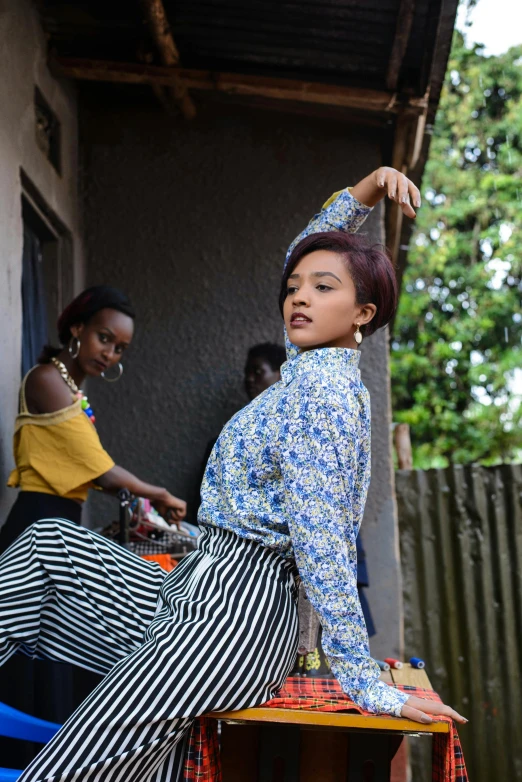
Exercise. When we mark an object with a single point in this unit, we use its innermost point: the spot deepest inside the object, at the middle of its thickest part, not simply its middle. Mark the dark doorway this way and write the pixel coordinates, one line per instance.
(47, 273)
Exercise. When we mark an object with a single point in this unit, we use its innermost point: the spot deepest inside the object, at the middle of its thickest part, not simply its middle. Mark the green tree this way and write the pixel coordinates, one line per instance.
(456, 348)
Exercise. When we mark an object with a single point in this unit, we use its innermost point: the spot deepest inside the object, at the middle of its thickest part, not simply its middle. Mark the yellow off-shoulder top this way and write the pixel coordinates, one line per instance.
(57, 453)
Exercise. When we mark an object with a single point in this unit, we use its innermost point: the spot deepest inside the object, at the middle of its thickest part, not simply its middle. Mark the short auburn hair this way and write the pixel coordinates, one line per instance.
(368, 265)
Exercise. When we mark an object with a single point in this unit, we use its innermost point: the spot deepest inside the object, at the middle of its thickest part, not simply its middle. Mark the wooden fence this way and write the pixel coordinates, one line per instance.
(461, 552)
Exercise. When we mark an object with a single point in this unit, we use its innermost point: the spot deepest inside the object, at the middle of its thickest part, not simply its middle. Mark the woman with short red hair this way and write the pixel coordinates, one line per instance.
(283, 494)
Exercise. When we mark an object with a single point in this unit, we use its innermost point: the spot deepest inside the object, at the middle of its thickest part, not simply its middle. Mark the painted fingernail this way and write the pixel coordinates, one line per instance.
(404, 199)
(417, 202)
(392, 194)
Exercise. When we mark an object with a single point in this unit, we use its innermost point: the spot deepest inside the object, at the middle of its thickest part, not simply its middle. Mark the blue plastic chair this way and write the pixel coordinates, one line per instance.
(15, 724)
(9, 774)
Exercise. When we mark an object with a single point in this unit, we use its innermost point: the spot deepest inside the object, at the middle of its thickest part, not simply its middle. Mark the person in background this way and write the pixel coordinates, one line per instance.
(58, 459)
(262, 370)
(363, 581)
(57, 451)
(263, 367)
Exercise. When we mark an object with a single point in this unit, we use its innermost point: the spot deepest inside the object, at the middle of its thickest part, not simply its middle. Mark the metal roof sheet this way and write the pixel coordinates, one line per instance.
(333, 41)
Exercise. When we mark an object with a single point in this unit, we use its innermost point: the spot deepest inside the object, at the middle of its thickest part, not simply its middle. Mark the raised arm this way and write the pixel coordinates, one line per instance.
(347, 209)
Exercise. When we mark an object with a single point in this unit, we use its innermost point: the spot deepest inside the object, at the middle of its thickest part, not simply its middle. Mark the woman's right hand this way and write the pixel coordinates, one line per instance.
(420, 709)
(171, 508)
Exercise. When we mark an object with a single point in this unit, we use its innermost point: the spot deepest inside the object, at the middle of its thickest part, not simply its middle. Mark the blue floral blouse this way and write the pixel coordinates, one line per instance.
(291, 471)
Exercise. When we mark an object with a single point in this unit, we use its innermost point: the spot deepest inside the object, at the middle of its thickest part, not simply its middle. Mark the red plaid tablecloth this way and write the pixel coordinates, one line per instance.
(202, 761)
(202, 757)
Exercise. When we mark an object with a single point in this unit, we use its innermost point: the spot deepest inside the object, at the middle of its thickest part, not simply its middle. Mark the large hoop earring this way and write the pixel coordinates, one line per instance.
(74, 352)
(358, 337)
(113, 379)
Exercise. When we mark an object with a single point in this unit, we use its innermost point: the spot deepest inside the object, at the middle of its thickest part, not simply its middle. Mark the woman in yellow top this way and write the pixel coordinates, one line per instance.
(58, 457)
(57, 450)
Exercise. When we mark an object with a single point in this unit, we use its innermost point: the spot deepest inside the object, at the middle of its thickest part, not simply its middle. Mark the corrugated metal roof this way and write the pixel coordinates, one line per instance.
(334, 41)
(94, 29)
(367, 46)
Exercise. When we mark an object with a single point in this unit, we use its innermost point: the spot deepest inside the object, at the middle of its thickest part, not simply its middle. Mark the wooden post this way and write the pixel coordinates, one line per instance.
(401, 437)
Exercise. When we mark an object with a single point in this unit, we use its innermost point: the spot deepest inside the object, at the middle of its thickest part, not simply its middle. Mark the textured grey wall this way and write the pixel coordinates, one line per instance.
(23, 53)
(193, 220)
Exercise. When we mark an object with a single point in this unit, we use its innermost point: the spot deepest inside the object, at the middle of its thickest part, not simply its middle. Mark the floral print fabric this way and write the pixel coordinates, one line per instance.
(291, 472)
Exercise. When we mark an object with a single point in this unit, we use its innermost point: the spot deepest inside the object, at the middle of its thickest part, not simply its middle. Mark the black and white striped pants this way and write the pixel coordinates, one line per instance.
(217, 633)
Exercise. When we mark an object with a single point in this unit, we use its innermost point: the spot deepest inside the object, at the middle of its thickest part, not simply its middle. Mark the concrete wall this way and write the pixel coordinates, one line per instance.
(22, 66)
(193, 220)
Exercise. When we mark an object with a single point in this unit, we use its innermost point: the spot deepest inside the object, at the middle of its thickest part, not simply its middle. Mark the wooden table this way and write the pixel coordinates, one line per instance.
(291, 745)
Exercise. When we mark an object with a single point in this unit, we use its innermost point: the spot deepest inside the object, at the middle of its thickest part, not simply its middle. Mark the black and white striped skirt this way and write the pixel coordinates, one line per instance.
(217, 633)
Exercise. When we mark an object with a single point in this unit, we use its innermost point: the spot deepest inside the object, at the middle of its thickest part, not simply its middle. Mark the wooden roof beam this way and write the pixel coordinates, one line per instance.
(236, 84)
(164, 40)
(400, 42)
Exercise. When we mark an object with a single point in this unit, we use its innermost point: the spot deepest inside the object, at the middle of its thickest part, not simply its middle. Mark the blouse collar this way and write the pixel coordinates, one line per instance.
(343, 361)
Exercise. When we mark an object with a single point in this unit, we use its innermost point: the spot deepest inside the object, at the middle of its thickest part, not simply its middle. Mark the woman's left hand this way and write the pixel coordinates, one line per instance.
(420, 709)
(386, 181)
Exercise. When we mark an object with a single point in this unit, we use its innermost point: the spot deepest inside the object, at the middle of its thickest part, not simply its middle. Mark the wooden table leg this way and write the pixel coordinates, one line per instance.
(370, 757)
(239, 752)
(324, 756)
(275, 752)
(279, 753)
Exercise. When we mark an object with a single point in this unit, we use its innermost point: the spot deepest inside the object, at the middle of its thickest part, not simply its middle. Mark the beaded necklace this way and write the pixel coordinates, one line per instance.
(78, 393)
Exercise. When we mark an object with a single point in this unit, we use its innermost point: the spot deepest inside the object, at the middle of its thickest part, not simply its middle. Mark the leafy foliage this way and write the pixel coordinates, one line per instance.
(456, 348)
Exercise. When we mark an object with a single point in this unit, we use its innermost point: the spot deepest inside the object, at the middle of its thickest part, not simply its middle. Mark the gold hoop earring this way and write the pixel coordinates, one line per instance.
(113, 379)
(358, 337)
(74, 352)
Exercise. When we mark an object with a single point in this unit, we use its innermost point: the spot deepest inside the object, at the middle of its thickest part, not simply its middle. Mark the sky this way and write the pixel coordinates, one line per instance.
(495, 23)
